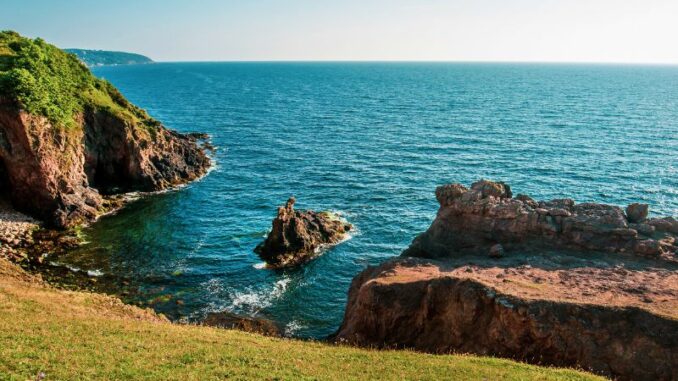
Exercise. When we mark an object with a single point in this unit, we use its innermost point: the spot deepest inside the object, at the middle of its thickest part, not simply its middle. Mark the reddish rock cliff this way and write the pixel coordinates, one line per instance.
(583, 285)
(596, 319)
(56, 174)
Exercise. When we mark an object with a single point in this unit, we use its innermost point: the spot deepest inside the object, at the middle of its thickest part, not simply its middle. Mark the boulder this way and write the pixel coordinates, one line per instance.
(298, 236)
(637, 213)
(490, 188)
(496, 251)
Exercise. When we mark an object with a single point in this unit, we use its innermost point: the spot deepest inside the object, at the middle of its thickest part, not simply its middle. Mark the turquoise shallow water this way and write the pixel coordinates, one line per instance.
(371, 141)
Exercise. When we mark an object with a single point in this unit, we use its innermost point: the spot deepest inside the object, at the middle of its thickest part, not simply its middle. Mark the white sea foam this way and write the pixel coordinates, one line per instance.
(249, 300)
(69, 267)
(75, 269)
(254, 300)
(259, 266)
(292, 328)
(95, 273)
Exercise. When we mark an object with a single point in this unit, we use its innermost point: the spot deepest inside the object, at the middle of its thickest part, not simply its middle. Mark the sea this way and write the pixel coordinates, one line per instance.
(369, 141)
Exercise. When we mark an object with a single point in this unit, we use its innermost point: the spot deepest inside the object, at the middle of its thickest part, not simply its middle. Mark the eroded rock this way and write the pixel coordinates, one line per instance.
(537, 281)
(475, 219)
(298, 236)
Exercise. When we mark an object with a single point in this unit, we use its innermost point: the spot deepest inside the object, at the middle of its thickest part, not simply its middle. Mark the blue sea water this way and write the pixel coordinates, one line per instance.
(371, 141)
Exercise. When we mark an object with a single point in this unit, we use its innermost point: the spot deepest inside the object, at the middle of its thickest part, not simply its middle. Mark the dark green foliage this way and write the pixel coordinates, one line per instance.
(44, 80)
(104, 57)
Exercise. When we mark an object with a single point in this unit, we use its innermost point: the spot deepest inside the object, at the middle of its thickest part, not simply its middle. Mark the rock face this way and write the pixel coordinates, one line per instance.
(473, 220)
(298, 236)
(411, 303)
(55, 174)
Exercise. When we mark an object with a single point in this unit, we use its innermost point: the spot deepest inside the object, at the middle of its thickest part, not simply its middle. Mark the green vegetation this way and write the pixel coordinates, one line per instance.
(105, 57)
(44, 80)
(85, 336)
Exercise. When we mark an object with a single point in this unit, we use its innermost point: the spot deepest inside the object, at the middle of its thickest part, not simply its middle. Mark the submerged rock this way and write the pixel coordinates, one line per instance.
(297, 236)
(473, 220)
(229, 320)
(496, 251)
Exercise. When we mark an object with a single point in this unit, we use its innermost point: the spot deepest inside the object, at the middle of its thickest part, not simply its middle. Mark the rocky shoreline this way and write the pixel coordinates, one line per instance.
(588, 285)
(16, 231)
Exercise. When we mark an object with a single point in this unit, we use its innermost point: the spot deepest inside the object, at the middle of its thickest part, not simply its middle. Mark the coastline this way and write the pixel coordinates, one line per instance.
(33, 243)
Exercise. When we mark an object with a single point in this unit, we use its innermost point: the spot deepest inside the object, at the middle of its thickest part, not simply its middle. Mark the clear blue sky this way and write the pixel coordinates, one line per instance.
(469, 30)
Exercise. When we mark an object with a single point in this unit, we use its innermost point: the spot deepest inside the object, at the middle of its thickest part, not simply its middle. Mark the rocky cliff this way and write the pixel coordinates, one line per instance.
(587, 285)
(596, 319)
(66, 137)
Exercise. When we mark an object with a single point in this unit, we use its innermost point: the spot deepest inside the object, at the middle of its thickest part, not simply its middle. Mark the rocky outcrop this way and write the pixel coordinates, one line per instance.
(543, 316)
(229, 320)
(548, 282)
(298, 236)
(474, 220)
(56, 174)
(123, 157)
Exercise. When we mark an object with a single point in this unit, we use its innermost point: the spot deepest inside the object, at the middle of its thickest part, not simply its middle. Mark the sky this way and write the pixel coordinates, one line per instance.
(620, 31)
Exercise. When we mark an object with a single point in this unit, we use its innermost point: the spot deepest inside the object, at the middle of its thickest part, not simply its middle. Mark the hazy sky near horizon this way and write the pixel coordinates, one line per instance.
(632, 31)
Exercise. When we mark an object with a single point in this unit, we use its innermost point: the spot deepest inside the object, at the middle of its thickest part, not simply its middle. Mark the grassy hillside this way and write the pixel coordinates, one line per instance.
(44, 80)
(76, 335)
(105, 57)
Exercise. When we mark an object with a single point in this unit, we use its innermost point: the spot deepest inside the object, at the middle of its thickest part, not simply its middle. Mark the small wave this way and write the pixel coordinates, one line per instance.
(95, 273)
(75, 269)
(259, 266)
(69, 267)
(253, 300)
(292, 328)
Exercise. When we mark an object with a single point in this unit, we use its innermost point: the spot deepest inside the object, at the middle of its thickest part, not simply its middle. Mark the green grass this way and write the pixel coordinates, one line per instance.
(84, 336)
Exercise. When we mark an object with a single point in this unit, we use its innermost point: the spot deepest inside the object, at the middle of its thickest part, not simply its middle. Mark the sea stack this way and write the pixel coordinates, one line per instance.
(298, 236)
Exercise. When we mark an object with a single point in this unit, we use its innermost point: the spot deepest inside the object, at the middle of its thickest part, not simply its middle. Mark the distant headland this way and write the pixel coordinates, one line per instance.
(105, 57)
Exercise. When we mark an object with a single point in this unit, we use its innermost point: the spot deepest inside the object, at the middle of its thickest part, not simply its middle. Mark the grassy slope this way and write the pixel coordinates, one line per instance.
(76, 335)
